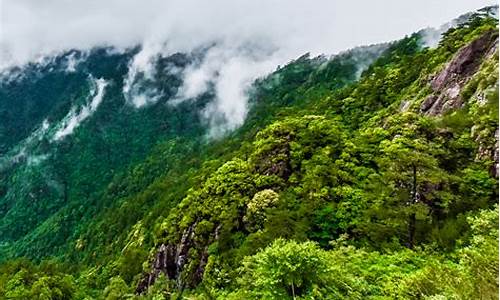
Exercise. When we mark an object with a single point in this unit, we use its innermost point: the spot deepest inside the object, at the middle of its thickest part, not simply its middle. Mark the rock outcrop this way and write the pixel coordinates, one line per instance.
(447, 86)
(448, 83)
(171, 259)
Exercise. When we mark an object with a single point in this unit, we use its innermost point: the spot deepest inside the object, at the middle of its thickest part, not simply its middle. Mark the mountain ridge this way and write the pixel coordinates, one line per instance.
(330, 161)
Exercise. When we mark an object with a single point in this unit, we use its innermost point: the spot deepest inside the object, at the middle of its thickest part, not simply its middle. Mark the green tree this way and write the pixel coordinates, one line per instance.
(409, 189)
(117, 289)
(288, 270)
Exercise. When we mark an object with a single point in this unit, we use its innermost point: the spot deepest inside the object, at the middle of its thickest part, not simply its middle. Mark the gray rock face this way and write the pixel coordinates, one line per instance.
(170, 259)
(448, 83)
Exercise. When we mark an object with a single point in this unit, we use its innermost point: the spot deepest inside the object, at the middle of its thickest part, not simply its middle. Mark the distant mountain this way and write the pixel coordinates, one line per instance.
(370, 173)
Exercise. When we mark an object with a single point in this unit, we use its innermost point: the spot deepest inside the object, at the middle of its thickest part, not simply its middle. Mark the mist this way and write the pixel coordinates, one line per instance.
(249, 38)
(76, 116)
(31, 28)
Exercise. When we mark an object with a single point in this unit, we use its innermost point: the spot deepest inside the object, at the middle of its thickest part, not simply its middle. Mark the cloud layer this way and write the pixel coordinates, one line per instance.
(75, 117)
(30, 28)
(251, 37)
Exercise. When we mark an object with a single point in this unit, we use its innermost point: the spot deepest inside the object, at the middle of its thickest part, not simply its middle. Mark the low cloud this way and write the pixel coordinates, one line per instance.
(432, 36)
(77, 115)
(245, 39)
(228, 72)
(31, 28)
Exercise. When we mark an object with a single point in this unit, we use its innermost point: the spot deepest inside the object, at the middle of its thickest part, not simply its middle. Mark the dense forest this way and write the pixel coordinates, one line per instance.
(371, 174)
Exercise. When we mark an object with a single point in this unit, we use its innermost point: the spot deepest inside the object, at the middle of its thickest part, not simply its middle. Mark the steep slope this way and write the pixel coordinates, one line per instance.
(77, 130)
(385, 175)
(86, 135)
(340, 184)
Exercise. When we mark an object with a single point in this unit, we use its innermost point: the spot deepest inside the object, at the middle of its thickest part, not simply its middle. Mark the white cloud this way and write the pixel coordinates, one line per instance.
(251, 37)
(72, 61)
(76, 117)
(235, 73)
(141, 68)
(30, 28)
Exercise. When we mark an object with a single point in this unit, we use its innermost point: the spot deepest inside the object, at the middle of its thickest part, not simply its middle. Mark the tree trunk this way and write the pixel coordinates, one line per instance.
(411, 230)
(412, 218)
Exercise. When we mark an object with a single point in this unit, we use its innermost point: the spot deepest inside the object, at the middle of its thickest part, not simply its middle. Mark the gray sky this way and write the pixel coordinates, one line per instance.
(252, 37)
(29, 28)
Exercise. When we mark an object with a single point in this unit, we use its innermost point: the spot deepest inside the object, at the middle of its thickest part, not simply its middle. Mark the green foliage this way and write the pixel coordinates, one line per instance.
(256, 208)
(117, 289)
(330, 190)
(475, 272)
(288, 270)
(23, 280)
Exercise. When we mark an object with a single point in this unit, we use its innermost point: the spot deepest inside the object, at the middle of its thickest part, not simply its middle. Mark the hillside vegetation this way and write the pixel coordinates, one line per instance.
(341, 184)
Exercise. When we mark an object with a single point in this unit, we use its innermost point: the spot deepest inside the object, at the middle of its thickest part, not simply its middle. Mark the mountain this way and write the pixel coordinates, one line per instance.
(368, 174)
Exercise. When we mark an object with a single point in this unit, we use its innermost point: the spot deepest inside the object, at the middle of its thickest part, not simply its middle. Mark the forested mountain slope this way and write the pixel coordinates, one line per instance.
(370, 174)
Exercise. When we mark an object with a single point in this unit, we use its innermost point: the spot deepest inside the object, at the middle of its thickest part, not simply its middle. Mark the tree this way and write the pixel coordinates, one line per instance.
(286, 270)
(409, 185)
(256, 208)
(117, 289)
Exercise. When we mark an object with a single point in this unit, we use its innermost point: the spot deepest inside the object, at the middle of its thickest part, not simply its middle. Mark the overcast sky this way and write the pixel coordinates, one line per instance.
(29, 28)
(251, 37)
